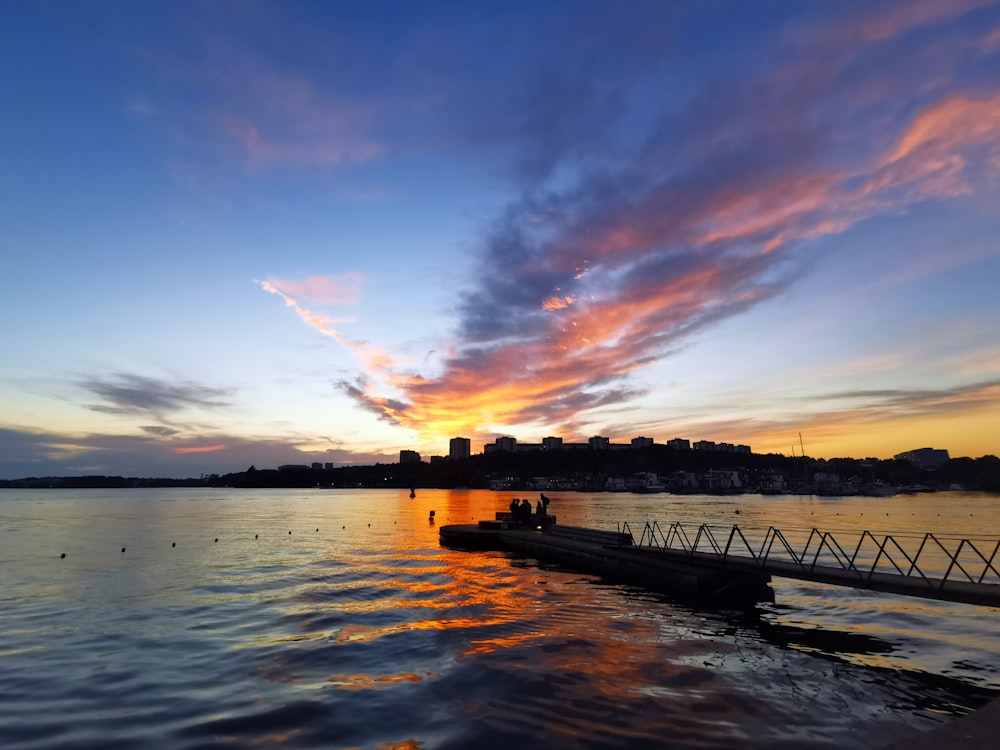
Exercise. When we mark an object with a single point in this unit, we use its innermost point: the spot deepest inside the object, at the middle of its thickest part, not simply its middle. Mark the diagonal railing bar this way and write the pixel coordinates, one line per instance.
(677, 531)
(733, 533)
(829, 541)
(920, 549)
(705, 531)
(888, 556)
(951, 556)
(989, 564)
(769, 539)
(649, 532)
(861, 541)
(956, 563)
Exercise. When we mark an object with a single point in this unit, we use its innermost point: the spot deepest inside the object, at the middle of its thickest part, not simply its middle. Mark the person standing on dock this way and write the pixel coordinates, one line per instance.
(525, 513)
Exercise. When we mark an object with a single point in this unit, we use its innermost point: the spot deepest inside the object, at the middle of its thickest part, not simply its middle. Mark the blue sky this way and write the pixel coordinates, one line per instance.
(242, 233)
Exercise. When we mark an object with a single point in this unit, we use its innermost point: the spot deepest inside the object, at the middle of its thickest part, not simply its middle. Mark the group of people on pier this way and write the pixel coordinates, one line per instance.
(520, 510)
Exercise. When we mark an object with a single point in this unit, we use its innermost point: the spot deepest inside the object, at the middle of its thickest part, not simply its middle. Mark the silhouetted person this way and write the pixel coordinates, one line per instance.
(525, 512)
(515, 511)
(540, 510)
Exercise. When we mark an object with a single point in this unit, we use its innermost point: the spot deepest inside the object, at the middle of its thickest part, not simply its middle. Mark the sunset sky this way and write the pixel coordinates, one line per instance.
(239, 233)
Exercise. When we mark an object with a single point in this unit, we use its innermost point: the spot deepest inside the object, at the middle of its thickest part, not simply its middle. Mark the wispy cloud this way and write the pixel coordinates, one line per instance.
(375, 362)
(227, 98)
(889, 19)
(128, 393)
(342, 289)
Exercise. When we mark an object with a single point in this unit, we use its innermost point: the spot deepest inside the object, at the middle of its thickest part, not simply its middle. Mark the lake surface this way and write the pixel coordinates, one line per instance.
(334, 619)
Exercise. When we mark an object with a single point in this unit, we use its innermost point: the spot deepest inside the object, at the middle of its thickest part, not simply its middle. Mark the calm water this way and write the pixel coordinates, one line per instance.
(357, 630)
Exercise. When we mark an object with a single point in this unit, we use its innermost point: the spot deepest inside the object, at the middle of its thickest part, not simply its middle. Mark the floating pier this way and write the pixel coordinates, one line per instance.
(730, 566)
(609, 553)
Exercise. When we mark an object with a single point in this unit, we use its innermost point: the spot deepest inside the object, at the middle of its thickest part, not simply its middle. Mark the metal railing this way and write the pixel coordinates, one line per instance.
(936, 559)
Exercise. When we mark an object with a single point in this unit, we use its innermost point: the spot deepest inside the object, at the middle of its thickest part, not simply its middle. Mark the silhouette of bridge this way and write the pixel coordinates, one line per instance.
(933, 566)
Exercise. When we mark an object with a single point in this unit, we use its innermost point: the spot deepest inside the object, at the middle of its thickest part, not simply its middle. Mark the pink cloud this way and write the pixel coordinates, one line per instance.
(375, 362)
(286, 146)
(343, 289)
(895, 18)
(952, 124)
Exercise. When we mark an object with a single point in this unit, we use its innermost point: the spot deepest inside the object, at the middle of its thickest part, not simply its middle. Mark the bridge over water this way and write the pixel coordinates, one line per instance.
(932, 566)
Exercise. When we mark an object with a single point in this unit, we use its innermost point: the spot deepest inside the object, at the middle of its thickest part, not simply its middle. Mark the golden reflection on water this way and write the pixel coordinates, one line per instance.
(363, 681)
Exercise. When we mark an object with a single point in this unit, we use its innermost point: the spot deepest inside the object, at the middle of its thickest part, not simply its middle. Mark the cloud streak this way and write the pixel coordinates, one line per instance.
(344, 289)
(131, 394)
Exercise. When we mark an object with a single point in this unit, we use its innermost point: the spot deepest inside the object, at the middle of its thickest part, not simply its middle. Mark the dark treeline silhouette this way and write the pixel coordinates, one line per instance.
(582, 469)
(99, 482)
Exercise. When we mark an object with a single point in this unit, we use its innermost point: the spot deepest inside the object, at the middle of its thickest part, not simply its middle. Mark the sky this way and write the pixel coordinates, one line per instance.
(258, 233)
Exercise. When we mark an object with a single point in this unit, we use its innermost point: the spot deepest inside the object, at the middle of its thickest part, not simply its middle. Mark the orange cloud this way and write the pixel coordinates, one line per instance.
(957, 122)
(201, 449)
(557, 303)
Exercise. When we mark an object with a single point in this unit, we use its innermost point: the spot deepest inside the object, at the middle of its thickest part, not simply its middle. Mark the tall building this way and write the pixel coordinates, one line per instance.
(409, 457)
(552, 443)
(599, 443)
(459, 447)
(642, 442)
(679, 444)
(506, 444)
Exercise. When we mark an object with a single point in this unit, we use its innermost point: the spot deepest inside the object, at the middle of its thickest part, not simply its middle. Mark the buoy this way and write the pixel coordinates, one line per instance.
(63, 556)
(123, 549)
(317, 529)
(173, 544)
(289, 533)
(432, 512)
(343, 527)
(256, 536)
(216, 538)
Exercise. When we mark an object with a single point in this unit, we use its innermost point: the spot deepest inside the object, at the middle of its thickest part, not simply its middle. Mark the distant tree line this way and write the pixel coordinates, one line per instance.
(589, 469)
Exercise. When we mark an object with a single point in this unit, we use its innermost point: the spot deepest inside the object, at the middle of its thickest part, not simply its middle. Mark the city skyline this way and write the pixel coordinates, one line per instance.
(286, 233)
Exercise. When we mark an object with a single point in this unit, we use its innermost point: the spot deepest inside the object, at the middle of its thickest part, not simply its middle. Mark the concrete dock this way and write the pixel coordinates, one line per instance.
(612, 554)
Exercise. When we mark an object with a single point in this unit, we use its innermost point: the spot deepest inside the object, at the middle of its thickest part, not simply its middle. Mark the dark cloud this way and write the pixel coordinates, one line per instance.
(922, 400)
(127, 393)
(24, 454)
(160, 430)
(386, 409)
